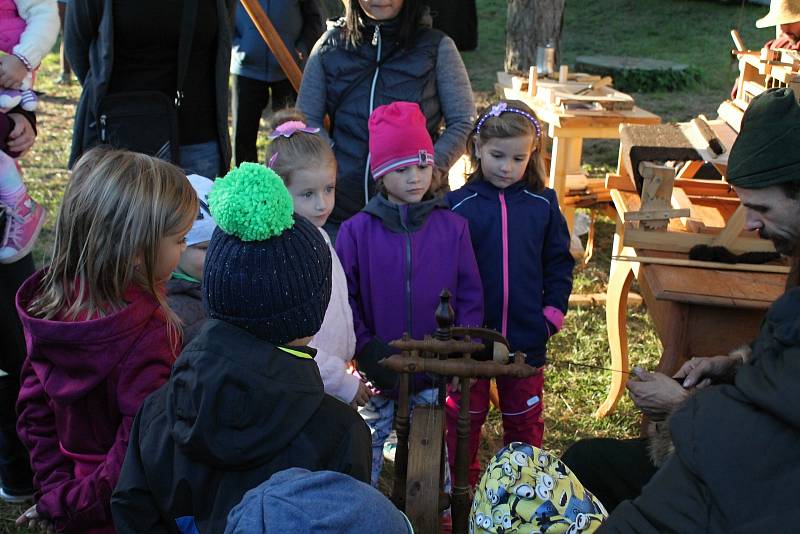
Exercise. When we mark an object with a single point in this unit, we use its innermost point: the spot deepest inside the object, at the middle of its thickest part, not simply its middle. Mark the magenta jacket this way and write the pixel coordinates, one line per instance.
(81, 386)
(397, 260)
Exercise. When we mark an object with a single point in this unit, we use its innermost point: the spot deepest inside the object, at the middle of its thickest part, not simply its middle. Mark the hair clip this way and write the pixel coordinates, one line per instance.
(272, 161)
(503, 107)
(425, 158)
(289, 128)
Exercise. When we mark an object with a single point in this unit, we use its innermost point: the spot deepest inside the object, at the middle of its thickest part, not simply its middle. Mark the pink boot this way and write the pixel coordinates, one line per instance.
(23, 224)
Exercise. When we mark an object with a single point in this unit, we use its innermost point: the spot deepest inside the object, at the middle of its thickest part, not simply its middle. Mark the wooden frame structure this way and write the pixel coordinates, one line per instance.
(419, 460)
(686, 298)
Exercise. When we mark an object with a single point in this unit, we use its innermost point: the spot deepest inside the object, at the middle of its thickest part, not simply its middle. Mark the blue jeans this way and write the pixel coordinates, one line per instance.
(202, 158)
(378, 413)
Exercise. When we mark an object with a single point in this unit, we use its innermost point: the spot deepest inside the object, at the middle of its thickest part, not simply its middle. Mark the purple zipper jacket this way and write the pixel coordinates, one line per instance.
(397, 260)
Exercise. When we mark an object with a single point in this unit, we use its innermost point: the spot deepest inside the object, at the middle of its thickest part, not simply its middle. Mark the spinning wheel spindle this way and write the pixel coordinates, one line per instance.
(401, 453)
(461, 488)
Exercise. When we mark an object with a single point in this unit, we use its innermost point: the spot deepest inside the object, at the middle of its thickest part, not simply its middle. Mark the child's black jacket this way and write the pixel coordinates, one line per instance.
(235, 410)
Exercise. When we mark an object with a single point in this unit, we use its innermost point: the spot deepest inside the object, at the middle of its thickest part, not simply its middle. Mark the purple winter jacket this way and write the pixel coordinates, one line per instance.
(397, 260)
(81, 386)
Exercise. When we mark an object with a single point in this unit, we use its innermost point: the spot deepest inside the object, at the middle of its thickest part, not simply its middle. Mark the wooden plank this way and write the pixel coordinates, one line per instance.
(616, 181)
(732, 229)
(656, 214)
(599, 299)
(679, 262)
(731, 114)
(710, 188)
(684, 241)
(713, 287)
(424, 461)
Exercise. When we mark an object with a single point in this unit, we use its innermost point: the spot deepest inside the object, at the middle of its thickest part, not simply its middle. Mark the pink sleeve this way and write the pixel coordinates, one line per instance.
(78, 503)
(36, 427)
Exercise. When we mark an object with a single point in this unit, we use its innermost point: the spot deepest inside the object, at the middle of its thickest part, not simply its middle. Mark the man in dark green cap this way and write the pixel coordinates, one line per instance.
(736, 465)
(764, 168)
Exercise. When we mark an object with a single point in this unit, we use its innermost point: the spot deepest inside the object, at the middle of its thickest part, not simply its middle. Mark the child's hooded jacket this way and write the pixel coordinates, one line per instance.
(522, 246)
(398, 259)
(81, 386)
(236, 410)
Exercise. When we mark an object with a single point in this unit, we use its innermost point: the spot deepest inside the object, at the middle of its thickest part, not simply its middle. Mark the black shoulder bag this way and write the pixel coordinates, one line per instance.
(147, 121)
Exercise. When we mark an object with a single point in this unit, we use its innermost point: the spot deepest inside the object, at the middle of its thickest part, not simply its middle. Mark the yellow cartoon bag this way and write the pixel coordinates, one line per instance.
(526, 490)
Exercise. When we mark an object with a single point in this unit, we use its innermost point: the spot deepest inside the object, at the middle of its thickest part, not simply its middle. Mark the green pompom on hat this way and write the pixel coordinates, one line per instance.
(766, 151)
(252, 203)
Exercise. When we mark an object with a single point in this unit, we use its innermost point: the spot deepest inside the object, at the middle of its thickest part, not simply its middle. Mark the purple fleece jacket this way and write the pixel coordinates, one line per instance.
(397, 260)
(81, 386)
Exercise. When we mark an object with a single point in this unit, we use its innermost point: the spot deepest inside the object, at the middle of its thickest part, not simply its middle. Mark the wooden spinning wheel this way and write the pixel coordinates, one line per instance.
(419, 464)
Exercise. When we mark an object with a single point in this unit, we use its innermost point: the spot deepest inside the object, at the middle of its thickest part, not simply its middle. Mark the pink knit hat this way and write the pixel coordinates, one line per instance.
(398, 138)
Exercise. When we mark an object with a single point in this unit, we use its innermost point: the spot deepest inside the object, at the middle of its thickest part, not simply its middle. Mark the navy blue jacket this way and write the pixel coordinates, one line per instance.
(521, 243)
(299, 24)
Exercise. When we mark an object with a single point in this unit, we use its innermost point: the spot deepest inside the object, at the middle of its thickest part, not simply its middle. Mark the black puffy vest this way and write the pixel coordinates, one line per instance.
(406, 75)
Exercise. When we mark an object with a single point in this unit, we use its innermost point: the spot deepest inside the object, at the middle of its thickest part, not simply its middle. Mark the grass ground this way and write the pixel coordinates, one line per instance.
(688, 31)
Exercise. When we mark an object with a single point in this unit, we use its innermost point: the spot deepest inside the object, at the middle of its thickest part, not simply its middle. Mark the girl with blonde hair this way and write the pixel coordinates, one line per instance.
(306, 164)
(100, 334)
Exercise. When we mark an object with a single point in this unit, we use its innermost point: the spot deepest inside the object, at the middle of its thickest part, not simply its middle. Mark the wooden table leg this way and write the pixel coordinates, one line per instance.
(674, 340)
(619, 283)
(566, 159)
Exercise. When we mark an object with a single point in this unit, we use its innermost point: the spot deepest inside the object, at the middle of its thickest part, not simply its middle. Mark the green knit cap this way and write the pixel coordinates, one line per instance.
(767, 151)
(252, 203)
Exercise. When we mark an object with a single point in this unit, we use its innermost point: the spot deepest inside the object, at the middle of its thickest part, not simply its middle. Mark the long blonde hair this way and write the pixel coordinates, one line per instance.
(117, 206)
(509, 124)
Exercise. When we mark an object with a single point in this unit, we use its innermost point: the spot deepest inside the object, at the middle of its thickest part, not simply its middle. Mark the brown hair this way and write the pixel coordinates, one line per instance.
(509, 124)
(117, 206)
(299, 151)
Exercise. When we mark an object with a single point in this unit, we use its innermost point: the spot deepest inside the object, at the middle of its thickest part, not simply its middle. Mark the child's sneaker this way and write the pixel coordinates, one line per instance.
(15, 497)
(23, 224)
(390, 447)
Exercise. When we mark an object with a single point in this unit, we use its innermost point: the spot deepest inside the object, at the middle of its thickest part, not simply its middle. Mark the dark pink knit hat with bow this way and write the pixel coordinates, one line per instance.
(398, 137)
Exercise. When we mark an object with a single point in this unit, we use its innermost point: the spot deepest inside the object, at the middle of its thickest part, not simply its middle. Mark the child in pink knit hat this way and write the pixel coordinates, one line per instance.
(398, 254)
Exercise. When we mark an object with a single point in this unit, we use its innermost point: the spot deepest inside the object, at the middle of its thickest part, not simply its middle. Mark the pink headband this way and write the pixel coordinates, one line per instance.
(289, 128)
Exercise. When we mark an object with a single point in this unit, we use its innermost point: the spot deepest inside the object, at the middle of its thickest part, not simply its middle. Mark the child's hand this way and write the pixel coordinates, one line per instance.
(12, 71)
(22, 136)
(32, 519)
(363, 394)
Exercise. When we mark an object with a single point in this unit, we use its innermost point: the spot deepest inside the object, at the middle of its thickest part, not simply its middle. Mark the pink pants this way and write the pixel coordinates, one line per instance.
(520, 404)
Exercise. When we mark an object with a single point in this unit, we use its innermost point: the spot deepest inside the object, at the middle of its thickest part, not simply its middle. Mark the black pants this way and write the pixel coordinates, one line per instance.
(15, 470)
(613, 470)
(249, 99)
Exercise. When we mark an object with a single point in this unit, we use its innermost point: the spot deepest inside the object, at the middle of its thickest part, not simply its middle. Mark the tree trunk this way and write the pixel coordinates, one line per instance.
(530, 24)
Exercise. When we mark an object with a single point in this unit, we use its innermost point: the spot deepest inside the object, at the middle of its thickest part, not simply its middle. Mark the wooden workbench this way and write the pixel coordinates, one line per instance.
(568, 129)
(696, 311)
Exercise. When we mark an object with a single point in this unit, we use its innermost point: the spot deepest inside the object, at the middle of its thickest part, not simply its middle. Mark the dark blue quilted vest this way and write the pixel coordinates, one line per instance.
(407, 74)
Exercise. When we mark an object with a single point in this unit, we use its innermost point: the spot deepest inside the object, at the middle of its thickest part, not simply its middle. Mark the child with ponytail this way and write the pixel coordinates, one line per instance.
(305, 162)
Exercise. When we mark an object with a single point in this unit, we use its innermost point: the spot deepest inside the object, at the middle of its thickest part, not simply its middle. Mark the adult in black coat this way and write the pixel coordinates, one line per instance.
(736, 465)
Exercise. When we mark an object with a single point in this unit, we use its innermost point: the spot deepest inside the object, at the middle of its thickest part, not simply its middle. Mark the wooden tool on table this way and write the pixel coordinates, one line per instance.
(708, 134)
(602, 82)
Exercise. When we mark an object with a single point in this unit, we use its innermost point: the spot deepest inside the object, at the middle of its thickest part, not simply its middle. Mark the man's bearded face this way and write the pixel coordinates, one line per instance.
(774, 215)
